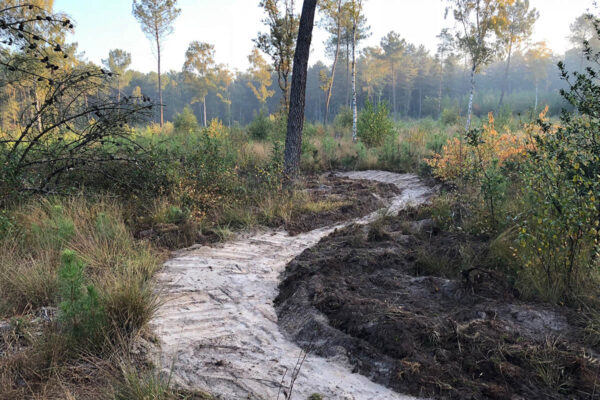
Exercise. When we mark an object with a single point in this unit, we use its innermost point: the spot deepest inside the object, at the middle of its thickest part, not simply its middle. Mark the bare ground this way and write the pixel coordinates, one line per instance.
(393, 299)
(218, 327)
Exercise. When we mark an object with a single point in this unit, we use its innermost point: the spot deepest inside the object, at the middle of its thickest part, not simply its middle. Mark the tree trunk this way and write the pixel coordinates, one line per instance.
(293, 140)
(440, 88)
(38, 107)
(354, 100)
(394, 90)
(335, 61)
(420, 101)
(347, 73)
(204, 110)
(470, 109)
(505, 81)
(160, 99)
(536, 98)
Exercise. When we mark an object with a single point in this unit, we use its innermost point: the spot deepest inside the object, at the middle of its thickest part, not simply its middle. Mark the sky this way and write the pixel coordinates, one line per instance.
(230, 25)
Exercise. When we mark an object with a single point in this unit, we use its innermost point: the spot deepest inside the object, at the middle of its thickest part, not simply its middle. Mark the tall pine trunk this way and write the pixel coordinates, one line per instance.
(335, 61)
(160, 98)
(354, 99)
(472, 93)
(394, 90)
(293, 140)
(420, 101)
(204, 110)
(536, 97)
(440, 89)
(505, 80)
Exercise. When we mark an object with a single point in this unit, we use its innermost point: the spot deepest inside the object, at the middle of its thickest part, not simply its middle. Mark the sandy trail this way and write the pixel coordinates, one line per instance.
(218, 327)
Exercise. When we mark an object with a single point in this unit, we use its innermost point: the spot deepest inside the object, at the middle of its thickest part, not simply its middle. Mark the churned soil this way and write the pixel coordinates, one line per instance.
(336, 199)
(410, 307)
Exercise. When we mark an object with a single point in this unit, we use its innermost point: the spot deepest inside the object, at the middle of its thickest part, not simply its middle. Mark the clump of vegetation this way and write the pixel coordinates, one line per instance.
(81, 314)
(560, 236)
(185, 121)
(374, 124)
(77, 257)
(261, 127)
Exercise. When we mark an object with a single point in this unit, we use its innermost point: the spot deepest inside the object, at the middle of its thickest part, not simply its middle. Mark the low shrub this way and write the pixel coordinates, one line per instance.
(80, 311)
(185, 121)
(374, 124)
(343, 119)
(261, 127)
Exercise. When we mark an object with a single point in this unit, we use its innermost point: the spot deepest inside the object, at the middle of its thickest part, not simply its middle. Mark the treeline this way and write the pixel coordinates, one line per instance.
(417, 90)
(415, 82)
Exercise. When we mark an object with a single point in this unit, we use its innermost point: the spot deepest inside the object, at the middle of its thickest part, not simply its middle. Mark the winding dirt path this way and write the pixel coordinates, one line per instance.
(218, 327)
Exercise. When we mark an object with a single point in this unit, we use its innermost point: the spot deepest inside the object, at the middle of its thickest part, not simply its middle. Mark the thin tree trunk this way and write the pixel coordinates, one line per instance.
(204, 107)
(347, 73)
(335, 61)
(160, 98)
(470, 109)
(293, 140)
(505, 81)
(440, 88)
(536, 98)
(38, 107)
(394, 90)
(354, 100)
(420, 101)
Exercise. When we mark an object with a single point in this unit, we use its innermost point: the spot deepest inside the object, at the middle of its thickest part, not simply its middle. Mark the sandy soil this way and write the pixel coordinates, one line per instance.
(218, 326)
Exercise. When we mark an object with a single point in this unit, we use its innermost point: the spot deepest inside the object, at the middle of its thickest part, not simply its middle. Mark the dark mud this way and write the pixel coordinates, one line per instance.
(342, 199)
(409, 307)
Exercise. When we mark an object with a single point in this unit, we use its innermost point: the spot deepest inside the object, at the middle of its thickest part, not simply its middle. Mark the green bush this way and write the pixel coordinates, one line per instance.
(261, 127)
(344, 118)
(450, 116)
(375, 124)
(560, 238)
(185, 121)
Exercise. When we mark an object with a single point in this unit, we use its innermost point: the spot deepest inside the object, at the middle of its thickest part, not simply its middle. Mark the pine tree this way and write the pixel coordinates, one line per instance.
(156, 18)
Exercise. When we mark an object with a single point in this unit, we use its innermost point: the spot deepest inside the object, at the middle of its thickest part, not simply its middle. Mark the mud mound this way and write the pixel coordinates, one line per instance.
(338, 199)
(392, 299)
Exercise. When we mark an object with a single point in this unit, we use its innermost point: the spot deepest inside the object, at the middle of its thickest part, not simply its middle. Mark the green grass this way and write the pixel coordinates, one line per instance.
(79, 257)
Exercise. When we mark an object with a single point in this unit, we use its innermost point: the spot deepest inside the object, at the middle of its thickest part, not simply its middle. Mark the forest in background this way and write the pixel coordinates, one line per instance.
(415, 82)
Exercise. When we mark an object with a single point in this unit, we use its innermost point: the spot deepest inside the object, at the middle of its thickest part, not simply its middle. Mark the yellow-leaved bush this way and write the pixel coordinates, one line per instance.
(457, 158)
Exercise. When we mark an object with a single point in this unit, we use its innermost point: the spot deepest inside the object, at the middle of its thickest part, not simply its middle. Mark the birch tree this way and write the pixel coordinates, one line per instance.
(356, 14)
(479, 23)
(261, 78)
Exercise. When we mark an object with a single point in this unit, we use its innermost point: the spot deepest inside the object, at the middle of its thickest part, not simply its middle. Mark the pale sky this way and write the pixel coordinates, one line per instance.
(231, 25)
